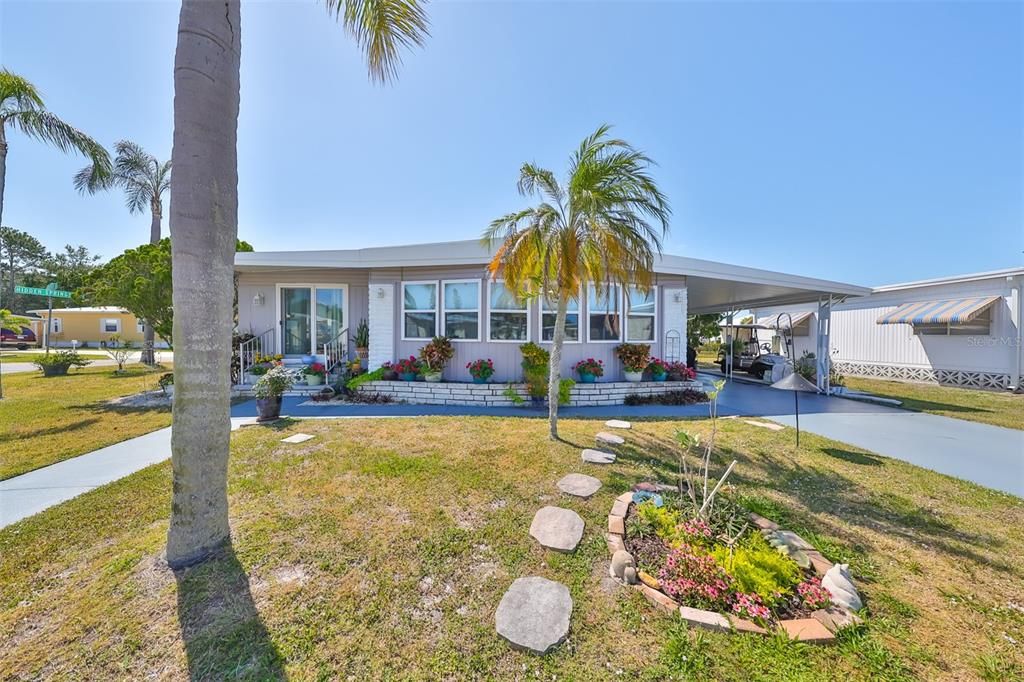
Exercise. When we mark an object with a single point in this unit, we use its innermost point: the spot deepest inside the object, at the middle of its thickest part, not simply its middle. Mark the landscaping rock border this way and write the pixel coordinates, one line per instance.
(820, 628)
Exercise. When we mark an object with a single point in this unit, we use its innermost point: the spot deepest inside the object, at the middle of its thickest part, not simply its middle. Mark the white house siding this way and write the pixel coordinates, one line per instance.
(861, 346)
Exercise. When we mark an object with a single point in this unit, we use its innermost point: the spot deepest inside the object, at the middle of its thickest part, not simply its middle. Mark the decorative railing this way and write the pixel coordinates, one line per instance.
(249, 350)
(336, 351)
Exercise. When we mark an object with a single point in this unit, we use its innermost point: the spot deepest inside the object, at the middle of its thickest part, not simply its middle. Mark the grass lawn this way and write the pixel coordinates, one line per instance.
(46, 420)
(988, 407)
(380, 550)
(19, 356)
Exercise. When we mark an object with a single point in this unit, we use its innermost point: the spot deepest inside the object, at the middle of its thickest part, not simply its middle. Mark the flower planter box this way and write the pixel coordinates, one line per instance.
(494, 394)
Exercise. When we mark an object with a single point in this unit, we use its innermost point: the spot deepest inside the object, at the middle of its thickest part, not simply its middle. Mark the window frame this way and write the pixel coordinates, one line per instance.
(525, 311)
(140, 326)
(981, 325)
(621, 313)
(103, 325)
(442, 324)
(653, 315)
(60, 325)
(579, 314)
(436, 310)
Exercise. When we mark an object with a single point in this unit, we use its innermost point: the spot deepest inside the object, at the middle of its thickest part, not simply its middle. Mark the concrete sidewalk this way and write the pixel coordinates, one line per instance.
(37, 490)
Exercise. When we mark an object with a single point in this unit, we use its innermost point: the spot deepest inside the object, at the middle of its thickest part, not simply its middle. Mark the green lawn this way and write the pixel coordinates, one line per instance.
(988, 407)
(380, 550)
(46, 420)
(19, 356)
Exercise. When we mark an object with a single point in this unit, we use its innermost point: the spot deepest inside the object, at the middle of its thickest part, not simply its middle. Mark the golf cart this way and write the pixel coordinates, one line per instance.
(748, 355)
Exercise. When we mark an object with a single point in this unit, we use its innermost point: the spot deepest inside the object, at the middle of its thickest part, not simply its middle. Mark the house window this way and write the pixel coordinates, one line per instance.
(56, 325)
(980, 325)
(549, 315)
(508, 318)
(140, 326)
(419, 310)
(462, 309)
(640, 321)
(604, 323)
(111, 325)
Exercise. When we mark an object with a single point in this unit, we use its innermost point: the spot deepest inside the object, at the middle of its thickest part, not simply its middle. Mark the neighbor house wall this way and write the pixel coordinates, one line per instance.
(85, 328)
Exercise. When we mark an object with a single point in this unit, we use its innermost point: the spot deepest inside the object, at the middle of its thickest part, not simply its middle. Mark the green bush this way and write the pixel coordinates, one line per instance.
(759, 568)
(535, 369)
(662, 519)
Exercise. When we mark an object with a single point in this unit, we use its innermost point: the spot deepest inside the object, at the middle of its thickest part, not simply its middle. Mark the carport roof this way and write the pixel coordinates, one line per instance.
(711, 286)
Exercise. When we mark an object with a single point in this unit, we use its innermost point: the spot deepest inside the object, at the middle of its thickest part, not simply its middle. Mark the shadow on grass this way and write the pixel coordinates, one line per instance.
(853, 457)
(223, 634)
(48, 431)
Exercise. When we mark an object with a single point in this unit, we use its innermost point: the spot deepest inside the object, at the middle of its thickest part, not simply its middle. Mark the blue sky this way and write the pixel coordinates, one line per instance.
(865, 142)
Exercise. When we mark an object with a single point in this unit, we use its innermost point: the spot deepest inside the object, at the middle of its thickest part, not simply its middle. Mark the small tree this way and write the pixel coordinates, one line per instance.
(7, 321)
(119, 351)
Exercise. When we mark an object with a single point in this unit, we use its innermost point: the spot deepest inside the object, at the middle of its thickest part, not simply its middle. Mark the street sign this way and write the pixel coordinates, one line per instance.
(36, 291)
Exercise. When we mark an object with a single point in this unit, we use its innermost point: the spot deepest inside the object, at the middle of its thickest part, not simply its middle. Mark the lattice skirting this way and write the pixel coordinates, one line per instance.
(946, 377)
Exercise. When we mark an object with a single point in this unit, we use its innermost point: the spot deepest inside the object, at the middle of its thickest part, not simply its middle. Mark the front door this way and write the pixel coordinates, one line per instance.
(311, 315)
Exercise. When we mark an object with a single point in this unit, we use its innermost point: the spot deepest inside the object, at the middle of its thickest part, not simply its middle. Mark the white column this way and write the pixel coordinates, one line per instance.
(823, 348)
(674, 320)
(381, 319)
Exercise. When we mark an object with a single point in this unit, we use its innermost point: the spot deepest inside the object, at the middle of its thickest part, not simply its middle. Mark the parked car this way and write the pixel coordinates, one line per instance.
(20, 339)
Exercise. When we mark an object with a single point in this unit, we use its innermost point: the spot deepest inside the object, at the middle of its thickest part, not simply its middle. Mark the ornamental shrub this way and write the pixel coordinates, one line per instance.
(634, 356)
(694, 578)
(759, 568)
(813, 595)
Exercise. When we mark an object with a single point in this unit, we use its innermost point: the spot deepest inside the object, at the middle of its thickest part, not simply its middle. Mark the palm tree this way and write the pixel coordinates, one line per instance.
(21, 107)
(204, 227)
(144, 180)
(602, 227)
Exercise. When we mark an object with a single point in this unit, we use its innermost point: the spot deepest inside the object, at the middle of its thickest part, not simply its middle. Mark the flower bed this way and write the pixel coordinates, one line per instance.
(729, 570)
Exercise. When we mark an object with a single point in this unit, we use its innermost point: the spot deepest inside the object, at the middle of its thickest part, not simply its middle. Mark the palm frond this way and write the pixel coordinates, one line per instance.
(47, 127)
(382, 28)
(17, 94)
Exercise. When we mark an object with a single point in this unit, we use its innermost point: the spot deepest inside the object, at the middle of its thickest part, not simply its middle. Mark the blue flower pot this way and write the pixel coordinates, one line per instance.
(587, 378)
(407, 376)
(479, 380)
(659, 377)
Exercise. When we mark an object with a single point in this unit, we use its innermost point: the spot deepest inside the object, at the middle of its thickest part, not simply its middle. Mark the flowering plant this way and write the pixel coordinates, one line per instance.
(481, 369)
(315, 369)
(634, 356)
(678, 371)
(692, 577)
(590, 366)
(813, 595)
(658, 367)
(410, 366)
(436, 354)
(750, 606)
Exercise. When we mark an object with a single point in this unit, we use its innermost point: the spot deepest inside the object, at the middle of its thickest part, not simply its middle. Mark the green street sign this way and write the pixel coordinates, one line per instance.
(36, 291)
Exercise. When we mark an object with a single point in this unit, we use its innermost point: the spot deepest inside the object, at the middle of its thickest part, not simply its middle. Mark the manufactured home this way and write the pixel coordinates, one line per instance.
(89, 327)
(307, 303)
(958, 331)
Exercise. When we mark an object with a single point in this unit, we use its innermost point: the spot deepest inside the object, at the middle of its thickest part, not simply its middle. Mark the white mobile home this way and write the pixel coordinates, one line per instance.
(960, 331)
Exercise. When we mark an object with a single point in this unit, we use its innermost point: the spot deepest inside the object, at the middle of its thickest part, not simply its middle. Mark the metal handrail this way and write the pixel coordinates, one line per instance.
(249, 350)
(335, 351)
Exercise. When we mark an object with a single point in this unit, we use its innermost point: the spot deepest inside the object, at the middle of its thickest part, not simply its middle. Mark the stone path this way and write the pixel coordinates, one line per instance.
(597, 457)
(609, 439)
(556, 528)
(534, 614)
(618, 424)
(579, 485)
(298, 438)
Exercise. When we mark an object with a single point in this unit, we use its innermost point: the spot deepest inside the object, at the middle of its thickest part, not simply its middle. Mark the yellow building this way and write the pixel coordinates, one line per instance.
(89, 327)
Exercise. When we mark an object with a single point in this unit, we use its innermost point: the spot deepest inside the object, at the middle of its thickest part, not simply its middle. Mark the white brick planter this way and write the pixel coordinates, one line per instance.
(457, 393)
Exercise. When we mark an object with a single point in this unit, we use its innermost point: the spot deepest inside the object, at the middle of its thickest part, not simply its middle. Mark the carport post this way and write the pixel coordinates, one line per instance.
(728, 345)
(823, 345)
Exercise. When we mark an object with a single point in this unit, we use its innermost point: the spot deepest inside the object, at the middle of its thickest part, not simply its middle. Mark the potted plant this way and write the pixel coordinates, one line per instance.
(408, 369)
(634, 358)
(678, 371)
(536, 368)
(659, 369)
(361, 339)
(434, 356)
(261, 364)
(166, 382)
(58, 362)
(269, 389)
(589, 370)
(387, 372)
(481, 370)
(314, 374)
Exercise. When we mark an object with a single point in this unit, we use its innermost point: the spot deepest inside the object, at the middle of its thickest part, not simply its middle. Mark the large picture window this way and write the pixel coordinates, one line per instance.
(462, 309)
(507, 317)
(642, 315)
(549, 315)
(419, 310)
(604, 314)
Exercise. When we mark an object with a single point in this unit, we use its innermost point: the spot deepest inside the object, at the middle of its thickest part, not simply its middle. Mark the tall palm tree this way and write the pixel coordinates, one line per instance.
(204, 227)
(603, 226)
(22, 108)
(144, 180)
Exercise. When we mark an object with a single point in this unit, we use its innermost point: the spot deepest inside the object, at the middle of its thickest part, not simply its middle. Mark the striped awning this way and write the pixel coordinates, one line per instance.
(771, 320)
(952, 311)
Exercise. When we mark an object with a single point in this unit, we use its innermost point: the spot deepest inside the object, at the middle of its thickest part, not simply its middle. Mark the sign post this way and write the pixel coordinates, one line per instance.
(50, 292)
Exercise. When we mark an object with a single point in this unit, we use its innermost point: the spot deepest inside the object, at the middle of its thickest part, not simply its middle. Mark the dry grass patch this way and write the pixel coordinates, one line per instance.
(381, 550)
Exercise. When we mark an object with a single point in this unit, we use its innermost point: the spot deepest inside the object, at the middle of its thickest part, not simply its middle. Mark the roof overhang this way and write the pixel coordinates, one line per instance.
(711, 286)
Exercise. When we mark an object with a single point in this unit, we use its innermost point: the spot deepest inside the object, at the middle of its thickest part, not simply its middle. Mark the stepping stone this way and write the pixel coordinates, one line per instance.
(579, 485)
(298, 438)
(556, 528)
(609, 438)
(534, 614)
(618, 424)
(598, 457)
(764, 425)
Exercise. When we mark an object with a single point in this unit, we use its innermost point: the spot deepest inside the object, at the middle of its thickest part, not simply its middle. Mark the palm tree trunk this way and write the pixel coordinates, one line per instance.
(3, 177)
(204, 226)
(555, 374)
(149, 337)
